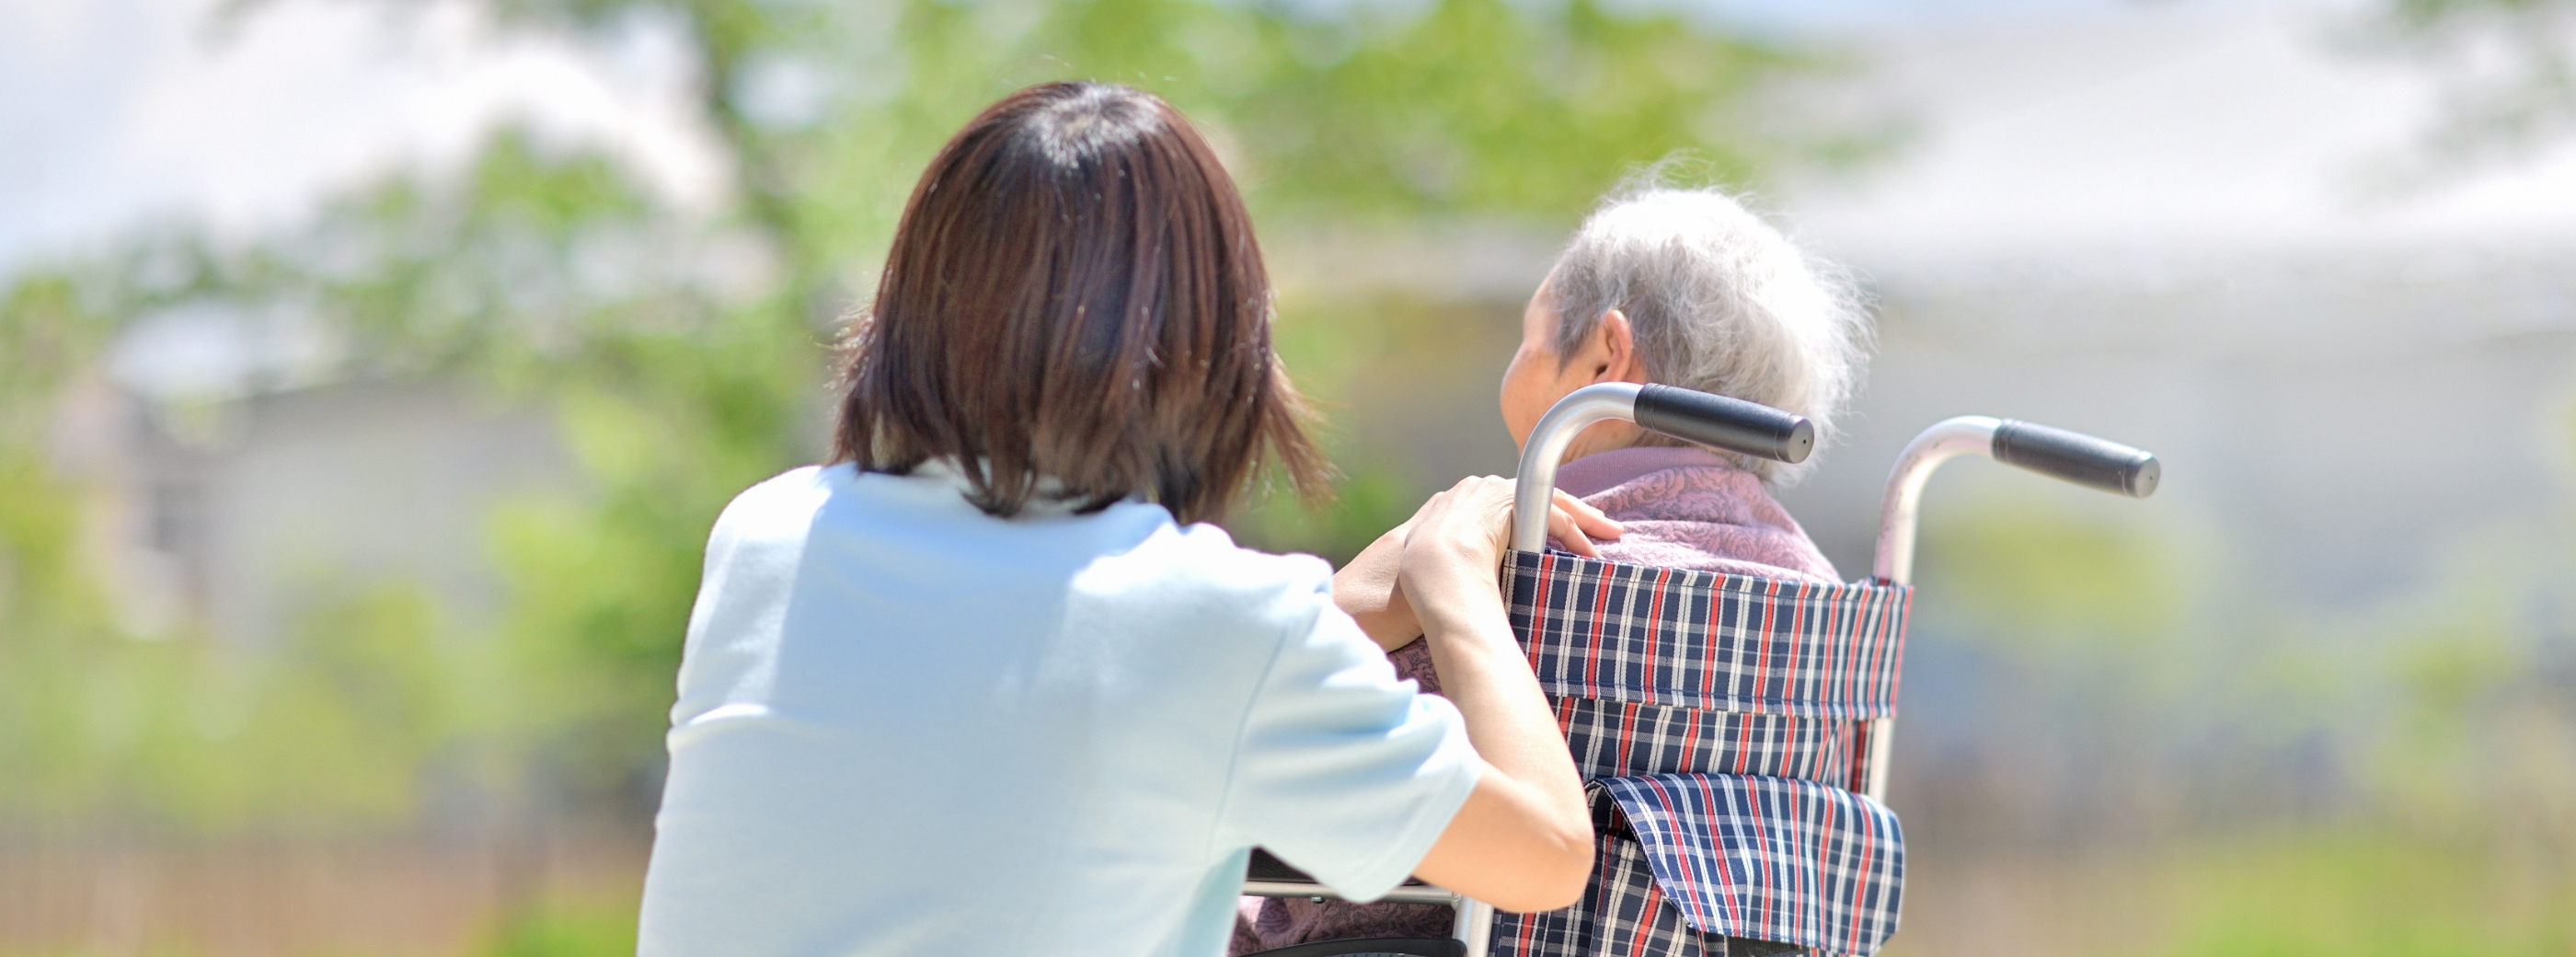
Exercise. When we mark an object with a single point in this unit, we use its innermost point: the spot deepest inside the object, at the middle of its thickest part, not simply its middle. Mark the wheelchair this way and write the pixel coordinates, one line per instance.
(1733, 731)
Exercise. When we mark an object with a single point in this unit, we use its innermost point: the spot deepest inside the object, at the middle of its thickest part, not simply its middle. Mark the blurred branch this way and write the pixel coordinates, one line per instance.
(2508, 75)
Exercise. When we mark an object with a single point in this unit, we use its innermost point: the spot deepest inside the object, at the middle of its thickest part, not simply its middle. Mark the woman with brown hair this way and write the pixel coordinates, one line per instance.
(986, 683)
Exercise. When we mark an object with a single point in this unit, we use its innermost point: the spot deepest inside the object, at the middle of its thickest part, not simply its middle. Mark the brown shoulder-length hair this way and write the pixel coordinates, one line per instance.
(1075, 310)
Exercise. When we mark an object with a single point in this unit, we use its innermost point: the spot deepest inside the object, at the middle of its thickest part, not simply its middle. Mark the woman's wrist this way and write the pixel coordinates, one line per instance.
(1463, 615)
(1366, 589)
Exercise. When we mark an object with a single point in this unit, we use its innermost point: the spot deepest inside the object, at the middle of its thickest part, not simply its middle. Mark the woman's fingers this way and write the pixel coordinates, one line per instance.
(1573, 522)
(1438, 500)
(1473, 518)
(1447, 574)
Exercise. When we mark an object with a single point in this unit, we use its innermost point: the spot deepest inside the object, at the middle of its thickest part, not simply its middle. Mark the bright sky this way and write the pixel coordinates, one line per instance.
(122, 111)
(2043, 124)
(2170, 129)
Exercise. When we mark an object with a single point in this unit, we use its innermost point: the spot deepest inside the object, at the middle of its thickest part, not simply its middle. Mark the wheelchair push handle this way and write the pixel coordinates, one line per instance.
(2075, 457)
(1715, 420)
(1731, 424)
(2094, 463)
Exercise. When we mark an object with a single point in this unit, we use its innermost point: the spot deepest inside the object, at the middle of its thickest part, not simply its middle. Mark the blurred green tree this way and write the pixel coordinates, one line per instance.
(683, 353)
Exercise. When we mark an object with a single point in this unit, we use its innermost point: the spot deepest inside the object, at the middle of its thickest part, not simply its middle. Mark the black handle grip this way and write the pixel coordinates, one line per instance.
(1731, 424)
(2078, 458)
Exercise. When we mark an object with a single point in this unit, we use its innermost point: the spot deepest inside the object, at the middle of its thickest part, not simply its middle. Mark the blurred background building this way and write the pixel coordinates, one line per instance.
(371, 372)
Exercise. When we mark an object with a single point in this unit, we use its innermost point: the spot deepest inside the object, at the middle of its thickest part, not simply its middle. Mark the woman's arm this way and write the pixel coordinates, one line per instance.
(1367, 588)
(1523, 841)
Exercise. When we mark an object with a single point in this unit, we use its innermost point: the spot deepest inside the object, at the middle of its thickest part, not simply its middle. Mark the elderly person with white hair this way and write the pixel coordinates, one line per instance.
(1682, 287)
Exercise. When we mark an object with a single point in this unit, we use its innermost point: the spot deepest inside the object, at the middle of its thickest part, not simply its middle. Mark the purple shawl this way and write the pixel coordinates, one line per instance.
(1682, 508)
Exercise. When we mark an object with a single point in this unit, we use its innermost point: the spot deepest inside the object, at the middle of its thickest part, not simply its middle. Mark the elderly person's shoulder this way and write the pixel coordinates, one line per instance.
(1692, 509)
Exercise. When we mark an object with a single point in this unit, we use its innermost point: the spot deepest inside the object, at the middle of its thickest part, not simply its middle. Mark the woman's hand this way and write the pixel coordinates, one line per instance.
(1367, 588)
(1454, 545)
(1523, 841)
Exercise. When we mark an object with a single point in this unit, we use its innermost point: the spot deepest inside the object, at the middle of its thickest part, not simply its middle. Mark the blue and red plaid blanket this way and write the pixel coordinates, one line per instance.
(1726, 717)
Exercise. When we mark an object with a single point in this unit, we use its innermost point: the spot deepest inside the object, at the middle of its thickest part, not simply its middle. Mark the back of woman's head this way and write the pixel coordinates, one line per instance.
(1074, 310)
(1719, 301)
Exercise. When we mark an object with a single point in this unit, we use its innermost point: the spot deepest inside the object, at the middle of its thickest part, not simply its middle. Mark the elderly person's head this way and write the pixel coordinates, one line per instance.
(1687, 288)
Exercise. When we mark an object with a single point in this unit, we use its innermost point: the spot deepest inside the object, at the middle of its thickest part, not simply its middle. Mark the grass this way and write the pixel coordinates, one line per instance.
(2346, 892)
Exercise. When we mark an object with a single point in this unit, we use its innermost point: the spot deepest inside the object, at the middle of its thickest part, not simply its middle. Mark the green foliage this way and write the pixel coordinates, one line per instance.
(330, 732)
(48, 332)
(1344, 112)
(49, 605)
(568, 929)
(2477, 738)
(1478, 106)
(682, 355)
(2369, 895)
(2023, 571)
(2509, 73)
(1369, 501)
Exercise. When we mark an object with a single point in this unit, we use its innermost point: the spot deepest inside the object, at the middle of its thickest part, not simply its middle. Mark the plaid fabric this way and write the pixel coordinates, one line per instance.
(1664, 636)
(1622, 738)
(1745, 703)
(1622, 914)
(1769, 858)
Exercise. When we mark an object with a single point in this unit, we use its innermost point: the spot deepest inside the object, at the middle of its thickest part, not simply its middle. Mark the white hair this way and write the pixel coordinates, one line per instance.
(1719, 302)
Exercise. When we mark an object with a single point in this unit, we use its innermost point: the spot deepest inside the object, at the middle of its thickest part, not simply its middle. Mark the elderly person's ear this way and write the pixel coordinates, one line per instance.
(1610, 353)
